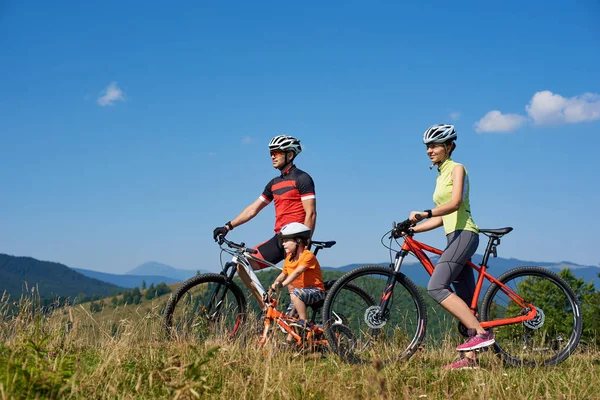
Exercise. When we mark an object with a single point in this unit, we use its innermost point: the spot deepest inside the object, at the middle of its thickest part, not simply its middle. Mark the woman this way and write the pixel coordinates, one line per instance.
(451, 197)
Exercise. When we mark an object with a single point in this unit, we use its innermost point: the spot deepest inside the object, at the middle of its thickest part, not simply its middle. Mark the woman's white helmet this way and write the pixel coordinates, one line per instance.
(295, 230)
(439, 134)
(285, 143)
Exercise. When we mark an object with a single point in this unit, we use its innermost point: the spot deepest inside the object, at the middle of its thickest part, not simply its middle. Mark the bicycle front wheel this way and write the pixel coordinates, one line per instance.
(377, 335)
(203, 306)
(552, 335)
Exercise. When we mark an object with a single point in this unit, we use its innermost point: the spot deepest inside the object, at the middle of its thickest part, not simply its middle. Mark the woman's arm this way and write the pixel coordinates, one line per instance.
(431, 223)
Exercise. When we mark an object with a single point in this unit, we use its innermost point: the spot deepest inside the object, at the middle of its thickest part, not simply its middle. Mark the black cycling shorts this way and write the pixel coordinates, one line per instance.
(271, 251)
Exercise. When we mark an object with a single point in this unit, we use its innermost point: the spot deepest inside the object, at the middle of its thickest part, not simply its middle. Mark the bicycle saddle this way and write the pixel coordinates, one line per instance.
(325, 245)
(500, 231)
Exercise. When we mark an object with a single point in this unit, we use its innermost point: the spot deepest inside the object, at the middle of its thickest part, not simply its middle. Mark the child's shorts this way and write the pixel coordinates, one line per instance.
(308, 295)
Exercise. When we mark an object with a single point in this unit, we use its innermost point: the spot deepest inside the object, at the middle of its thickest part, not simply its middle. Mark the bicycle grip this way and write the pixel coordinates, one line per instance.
(252, 251)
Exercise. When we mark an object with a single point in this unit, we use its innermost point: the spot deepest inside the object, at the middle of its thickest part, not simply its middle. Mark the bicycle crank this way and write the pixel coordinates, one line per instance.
(374, 319)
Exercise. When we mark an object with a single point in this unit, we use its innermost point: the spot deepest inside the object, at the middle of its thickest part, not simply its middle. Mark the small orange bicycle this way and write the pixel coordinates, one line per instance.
(313, 337)
(535, 314)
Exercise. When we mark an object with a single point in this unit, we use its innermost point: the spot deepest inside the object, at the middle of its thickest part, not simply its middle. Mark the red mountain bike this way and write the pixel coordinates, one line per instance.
(534, 313)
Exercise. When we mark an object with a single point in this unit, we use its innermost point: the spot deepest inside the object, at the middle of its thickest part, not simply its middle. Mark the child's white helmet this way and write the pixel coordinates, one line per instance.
(295, 230)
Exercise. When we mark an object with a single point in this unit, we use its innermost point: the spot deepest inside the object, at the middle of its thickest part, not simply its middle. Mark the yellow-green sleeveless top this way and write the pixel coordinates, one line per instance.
(460, 219)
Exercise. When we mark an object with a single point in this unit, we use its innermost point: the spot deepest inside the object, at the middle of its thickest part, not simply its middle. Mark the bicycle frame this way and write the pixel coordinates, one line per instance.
(418, 249)
(243, 259)
(282, 320)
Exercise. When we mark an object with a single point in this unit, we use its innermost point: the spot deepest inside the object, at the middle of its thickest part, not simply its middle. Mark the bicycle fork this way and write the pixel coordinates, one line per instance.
(220, 291)
(383, 313)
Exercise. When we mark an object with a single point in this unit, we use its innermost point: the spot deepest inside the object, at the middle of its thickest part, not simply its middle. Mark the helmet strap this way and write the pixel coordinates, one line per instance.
(446, 156)
(298, 241)
(287, 164)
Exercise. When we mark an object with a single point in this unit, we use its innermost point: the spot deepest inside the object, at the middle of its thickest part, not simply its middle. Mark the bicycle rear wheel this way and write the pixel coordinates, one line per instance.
(552, 335)
(384, 335)
(203, 306)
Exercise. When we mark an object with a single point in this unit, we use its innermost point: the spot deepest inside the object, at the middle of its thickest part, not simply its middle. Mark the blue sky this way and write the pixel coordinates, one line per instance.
(129, 130)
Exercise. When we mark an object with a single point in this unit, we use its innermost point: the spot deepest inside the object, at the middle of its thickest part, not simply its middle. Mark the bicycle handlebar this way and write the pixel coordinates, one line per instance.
(402, 229)
(233, 245)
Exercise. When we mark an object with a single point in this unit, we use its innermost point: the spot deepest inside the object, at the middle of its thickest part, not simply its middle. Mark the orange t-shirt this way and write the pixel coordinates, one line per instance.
(312, 277)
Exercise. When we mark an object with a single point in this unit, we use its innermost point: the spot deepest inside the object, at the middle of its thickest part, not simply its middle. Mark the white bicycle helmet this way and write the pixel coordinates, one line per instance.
(285, 143)
(439, 134)
(295, 230)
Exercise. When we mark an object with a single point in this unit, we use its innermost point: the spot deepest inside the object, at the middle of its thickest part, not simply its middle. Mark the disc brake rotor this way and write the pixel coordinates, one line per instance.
(373, 318)
(537, 322)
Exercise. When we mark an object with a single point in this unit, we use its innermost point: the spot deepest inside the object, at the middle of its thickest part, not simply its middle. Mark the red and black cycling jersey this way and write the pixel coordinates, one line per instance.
(289, 190)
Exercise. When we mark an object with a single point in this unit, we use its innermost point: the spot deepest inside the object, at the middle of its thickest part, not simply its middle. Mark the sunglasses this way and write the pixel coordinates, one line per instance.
(276, 153)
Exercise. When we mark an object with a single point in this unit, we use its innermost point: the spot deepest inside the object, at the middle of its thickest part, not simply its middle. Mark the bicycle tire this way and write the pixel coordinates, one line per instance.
(398, 338)
(552, 335)
(187, 317)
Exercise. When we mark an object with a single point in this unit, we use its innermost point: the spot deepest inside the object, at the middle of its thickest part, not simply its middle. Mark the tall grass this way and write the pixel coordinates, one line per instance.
(70, 353)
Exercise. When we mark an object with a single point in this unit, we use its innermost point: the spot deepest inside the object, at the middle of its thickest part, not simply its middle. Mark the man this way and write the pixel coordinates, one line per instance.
(293, 192)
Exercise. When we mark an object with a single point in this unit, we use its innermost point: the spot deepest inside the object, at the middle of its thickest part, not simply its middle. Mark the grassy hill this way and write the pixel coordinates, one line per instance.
(21, 274)
(122, 353)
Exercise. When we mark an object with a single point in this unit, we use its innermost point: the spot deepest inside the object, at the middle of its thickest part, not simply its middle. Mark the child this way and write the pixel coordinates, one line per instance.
(301, 272)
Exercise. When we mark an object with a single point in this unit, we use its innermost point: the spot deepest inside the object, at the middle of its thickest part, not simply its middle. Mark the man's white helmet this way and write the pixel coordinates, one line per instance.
(285, 143)
(439, 134)
(295, 230)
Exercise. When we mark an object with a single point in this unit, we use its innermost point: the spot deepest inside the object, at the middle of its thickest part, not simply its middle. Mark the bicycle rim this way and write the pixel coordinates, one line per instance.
(205, 306)
(396, 336)
(552, 335)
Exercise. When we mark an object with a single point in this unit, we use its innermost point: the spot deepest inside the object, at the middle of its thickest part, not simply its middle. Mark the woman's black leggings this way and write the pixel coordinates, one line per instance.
(451, 268)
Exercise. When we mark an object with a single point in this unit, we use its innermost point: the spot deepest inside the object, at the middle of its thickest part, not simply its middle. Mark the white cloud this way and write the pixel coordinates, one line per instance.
(111, 94)
(454, 116)
(247, 140)
(547, 108)
(495, 121)
(544, 108)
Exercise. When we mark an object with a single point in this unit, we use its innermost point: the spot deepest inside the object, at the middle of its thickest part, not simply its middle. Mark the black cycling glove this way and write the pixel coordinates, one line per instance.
(221, 230)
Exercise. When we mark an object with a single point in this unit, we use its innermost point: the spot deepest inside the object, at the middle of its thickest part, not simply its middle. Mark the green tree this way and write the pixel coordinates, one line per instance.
(95, 307)
(81, 298)
(136, 295)
(143, 284)
(150, 293)
(161, 289)
(127, 297)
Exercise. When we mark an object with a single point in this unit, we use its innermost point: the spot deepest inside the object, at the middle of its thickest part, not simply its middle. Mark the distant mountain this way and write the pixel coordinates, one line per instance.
(159, 269)
(51, 278)
(496, 267)
(127, 281)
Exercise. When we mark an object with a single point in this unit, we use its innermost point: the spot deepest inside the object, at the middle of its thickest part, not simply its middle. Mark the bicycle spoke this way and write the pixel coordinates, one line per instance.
(207, 307)
(378, 334)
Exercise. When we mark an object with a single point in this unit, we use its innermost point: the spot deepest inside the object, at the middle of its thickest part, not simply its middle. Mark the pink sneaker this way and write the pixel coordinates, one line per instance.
(478, 341)
(463, 363)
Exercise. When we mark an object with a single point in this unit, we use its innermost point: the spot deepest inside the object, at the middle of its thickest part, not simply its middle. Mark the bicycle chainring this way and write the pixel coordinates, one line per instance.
(537, 322)
(373, 318)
